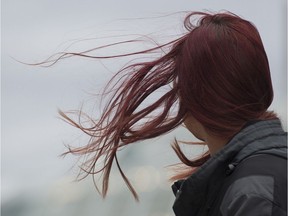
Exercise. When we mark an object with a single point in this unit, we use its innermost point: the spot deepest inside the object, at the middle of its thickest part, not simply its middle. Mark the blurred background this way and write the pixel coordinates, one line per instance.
(35, 181)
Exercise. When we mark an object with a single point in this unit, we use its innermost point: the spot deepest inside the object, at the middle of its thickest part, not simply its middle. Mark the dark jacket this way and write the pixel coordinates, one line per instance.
(247, 177)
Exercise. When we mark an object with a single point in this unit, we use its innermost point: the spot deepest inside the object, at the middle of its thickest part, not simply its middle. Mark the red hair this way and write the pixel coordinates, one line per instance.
(220, 71)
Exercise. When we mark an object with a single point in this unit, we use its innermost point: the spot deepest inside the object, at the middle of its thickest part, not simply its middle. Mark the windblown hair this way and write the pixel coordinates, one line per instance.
(218, 72)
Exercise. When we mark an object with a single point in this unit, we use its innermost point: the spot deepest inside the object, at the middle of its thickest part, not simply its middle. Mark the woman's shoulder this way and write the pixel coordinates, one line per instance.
(257, 183)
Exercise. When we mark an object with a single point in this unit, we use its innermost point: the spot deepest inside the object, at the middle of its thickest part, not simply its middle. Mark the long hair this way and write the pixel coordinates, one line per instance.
(217, 71)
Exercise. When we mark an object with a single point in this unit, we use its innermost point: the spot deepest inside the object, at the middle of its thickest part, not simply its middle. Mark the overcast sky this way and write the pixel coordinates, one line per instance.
(32, 135)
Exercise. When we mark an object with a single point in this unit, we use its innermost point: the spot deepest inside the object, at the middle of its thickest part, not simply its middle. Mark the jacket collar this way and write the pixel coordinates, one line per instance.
(191, 192)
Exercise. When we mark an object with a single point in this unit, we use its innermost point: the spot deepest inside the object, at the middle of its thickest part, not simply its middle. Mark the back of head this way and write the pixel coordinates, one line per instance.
(223, 73)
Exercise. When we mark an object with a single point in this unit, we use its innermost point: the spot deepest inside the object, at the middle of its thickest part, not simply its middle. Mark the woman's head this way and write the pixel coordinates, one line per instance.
(223, 73)
(219, 74)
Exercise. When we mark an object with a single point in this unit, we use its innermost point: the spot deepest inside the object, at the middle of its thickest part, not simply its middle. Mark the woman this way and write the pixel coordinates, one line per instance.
(221, 90)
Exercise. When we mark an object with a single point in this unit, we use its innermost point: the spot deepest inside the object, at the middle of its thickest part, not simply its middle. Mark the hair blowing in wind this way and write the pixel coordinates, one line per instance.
(217, 71)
